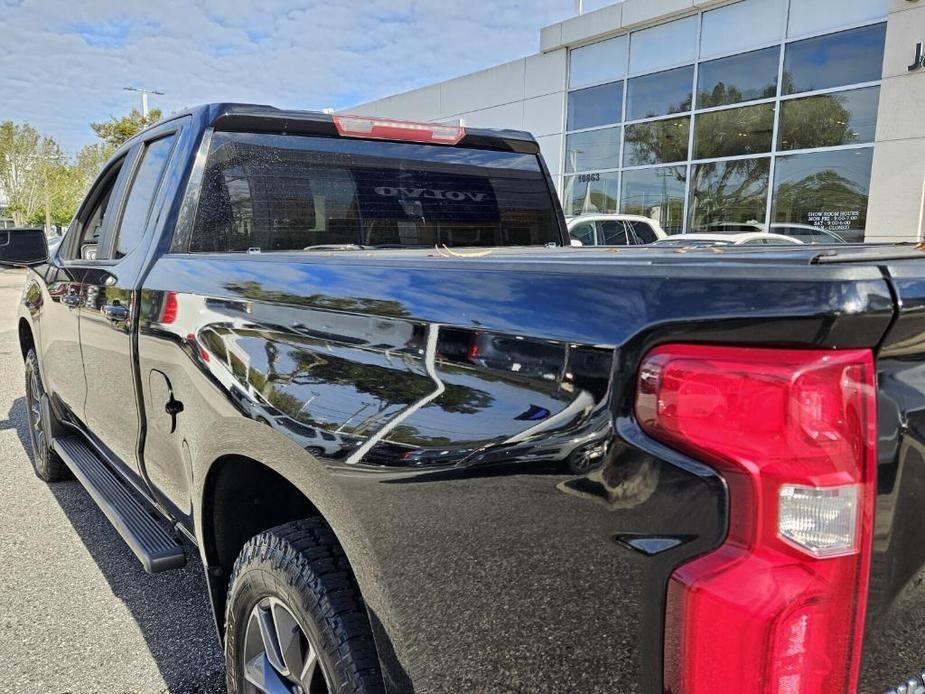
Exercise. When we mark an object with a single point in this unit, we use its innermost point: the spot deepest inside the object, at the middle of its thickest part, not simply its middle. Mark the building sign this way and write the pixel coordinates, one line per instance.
(919, 61)
(840, 220)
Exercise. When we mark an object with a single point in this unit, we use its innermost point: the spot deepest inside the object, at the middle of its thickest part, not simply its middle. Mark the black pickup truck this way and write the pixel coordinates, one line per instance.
(421, 446)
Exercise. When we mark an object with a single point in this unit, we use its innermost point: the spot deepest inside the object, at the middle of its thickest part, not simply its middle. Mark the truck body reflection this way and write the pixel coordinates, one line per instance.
(390, 392)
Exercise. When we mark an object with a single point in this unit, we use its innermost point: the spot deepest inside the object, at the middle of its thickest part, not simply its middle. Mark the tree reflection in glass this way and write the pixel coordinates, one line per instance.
(739, 78)
(659, 142)
(656, 193)
(729, 191)
(734, 132)
(830, 120)
(666, 92)
(828, 190)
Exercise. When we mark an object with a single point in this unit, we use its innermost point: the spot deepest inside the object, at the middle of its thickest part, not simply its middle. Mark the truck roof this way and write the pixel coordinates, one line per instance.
(239, 117)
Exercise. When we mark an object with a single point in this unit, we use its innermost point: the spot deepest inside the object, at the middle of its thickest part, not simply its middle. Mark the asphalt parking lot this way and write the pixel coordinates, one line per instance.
(79, 614)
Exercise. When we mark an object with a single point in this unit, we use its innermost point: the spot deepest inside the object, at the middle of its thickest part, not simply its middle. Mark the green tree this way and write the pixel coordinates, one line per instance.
(115, 131)
(90, 160)
(62, 190)
(19, 159)
(30, 167)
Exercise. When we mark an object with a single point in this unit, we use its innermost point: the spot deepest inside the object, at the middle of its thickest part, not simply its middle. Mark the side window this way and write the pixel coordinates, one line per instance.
(141, 195)
(89, 228)
(615, 234)
(584, 233)
(644, 232)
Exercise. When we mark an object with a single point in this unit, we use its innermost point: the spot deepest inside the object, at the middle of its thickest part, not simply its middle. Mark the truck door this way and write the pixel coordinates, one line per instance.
(109, 306)
(62, 364)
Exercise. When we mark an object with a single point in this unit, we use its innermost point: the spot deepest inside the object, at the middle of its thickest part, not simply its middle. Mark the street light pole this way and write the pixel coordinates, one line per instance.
(144, 97)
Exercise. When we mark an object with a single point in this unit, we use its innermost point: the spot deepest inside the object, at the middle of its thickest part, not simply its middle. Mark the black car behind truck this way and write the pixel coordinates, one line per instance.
(420, 446)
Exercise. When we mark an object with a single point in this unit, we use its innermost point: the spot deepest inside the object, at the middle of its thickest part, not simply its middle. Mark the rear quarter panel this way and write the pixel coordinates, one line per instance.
(438, 412)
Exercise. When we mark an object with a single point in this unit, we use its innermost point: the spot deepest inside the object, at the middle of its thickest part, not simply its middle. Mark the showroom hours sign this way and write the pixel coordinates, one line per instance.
(840, 220)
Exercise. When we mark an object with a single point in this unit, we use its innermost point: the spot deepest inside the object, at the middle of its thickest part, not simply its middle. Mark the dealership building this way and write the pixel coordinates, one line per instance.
(698, 112)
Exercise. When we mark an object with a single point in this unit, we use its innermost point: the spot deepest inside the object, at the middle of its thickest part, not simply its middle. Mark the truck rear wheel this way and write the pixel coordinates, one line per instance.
(46, 463)
(295, 620)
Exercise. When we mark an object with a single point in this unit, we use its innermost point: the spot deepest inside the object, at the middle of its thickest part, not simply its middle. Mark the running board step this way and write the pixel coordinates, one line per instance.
(152, 543)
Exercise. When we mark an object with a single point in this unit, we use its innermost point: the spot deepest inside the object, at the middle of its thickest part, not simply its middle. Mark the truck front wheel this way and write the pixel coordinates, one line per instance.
(46, 463)
(295, 620)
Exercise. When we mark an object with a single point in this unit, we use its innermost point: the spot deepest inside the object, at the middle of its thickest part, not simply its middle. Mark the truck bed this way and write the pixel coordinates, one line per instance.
(476, 461)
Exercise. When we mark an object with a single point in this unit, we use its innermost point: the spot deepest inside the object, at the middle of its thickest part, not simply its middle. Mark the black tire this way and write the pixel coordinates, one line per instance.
(46, 463)
(302, 565)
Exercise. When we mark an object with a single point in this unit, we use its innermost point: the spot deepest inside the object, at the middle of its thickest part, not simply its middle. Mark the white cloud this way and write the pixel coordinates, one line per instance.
(64, 64)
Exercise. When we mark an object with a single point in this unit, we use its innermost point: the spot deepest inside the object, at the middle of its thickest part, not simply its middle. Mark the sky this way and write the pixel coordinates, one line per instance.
(64, 63)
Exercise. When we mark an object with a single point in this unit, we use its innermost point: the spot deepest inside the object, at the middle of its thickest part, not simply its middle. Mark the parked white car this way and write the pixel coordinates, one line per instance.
(614, 230)
(803, 232)
(756, 238)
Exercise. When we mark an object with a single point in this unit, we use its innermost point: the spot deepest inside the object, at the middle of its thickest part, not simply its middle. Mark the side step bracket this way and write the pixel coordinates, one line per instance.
(155, 547)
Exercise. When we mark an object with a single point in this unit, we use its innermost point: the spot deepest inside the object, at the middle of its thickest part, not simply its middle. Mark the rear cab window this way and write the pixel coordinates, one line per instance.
(288, 193)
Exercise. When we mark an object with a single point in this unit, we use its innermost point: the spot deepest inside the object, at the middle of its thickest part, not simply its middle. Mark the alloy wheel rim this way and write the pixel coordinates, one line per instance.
(278, 655)
(36, 431)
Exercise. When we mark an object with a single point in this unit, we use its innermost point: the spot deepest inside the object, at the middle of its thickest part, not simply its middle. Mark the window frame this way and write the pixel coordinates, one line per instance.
(141, 149)
(128, 158)
(69, 251)
(181, 240)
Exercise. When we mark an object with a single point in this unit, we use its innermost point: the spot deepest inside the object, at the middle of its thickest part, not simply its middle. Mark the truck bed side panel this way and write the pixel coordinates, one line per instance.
(466, 431)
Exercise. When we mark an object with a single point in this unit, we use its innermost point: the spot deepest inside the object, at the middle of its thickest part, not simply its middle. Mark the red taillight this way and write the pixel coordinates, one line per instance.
(779, 608)
(169, 310)
(388, 129)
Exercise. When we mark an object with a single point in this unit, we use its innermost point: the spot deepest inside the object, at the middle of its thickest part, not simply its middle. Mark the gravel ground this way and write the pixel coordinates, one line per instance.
(79, 614)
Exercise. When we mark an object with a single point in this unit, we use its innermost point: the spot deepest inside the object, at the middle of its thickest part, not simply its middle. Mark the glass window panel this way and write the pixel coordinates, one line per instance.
(643, 231)
(734, 132)
(283, 193)
(830, 120)
(657, 142)
(722, 29)
(657, 194)
(593, 149)
(816, 16)
(665, 45)
(602, 105)
(738, 78)
(729, 191)
(827, 190)
(660, 94)
(591, 193)
(849, 57)
(604, 61)
(614, 233)
(144, 187)
(583, 232)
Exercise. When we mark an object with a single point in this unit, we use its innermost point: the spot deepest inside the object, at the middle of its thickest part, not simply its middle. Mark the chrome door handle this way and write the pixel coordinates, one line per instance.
(115, 312)
(71, 300)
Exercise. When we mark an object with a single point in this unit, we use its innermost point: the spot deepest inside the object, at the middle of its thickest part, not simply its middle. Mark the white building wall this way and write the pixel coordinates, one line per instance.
(526, 94)
(897, 192)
